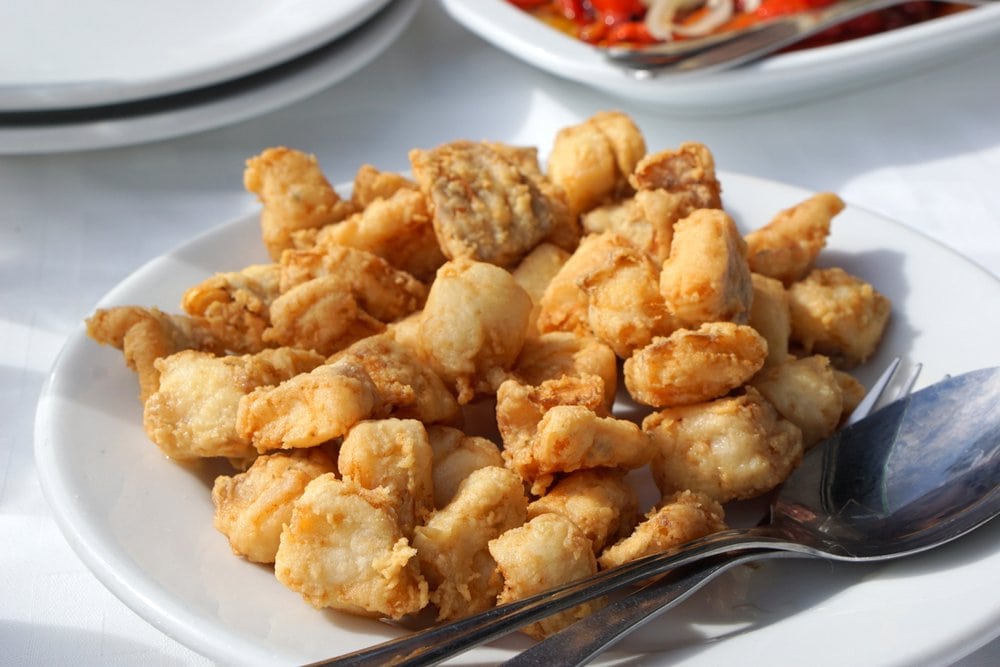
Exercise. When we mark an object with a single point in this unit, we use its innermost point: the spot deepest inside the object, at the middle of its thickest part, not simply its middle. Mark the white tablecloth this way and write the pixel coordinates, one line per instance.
(924, 151)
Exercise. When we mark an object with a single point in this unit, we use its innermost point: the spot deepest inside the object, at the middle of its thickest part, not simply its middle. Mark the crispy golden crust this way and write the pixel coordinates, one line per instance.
(771, 317)
(688, 170)
(691, 366)
(489, 203)
(252, 507)
(295, 195)
(729, 448)
(456, 456)
(236, 305)
(545, 552)
(553, 355)
(343, 549)
(646, 219)
(806, 392)
(787, 246)
(680, 518)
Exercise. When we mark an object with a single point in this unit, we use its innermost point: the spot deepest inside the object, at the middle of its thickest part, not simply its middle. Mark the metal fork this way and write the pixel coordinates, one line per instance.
(732, 49)
(435, 644)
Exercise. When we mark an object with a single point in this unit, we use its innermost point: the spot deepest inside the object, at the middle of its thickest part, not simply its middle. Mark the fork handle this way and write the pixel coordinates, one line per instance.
(581, 642)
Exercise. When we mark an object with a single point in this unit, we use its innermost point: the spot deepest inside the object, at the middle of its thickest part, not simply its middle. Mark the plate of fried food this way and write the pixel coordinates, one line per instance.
(567, 37)
(313, 430)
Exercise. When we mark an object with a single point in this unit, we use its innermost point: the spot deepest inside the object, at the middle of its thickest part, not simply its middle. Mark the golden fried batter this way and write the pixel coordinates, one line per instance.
(147, 334)
(787, 246)
(192, 414)
(599, 501)
(393, 454)
(252, 507)
(343, 549)
(547, 551)
(591, 161)
(624, 307)
(552, 355)
(838, 315)
(679, 518)
(730, 448)
(770, 316)
(396, 227)
(371, 184)
(707, 278)
(487, 206)
(295, 195)
(473, 325)
(691, 366)
(453, 545)
(456, 455)
(535, 272)
(807, 392)
(236, 305)
(646, 219)
(689, 170)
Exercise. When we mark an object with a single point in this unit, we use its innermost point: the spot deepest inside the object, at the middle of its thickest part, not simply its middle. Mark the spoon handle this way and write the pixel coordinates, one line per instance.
(581, 642)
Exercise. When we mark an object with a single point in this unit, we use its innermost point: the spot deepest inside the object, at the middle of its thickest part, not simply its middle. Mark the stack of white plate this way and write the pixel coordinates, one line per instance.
(81, 75)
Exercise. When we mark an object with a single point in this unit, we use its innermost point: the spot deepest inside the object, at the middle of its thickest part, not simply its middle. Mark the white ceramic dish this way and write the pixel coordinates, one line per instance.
(777, 81)
(61, 54)
(144, 524)
(231, 102)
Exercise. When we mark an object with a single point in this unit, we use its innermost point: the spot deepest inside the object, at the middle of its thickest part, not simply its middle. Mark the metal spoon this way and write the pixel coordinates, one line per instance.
(912, 476)
(727, 50)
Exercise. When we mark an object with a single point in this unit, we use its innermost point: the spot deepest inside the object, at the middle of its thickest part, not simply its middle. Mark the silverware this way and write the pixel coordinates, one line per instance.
(727, 50)
(916, 474)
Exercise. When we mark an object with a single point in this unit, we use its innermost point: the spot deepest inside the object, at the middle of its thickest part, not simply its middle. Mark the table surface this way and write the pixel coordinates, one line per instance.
(924, 150)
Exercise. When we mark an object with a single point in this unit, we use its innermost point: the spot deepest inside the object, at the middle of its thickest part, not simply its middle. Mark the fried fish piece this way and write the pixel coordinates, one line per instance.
(771, 316)
(343, 549)
(490, 202)
(787, 246)
(453, 545)
(694, 365)
(236, 305)
(547, 551)
(147, 334)
(535, 272)
(473, 326)
(372, 184)
(679, 518)
(707, 278)
(396, 455)
(192, 414)
(646, 219)
(553, 355)
(295, 195)
(456, 455)
(252, 506)
(592, 161)
(687, 169)
(731, 448)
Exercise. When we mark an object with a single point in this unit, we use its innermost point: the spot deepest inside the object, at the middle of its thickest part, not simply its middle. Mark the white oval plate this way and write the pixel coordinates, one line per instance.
(231, 102)
(143, 524)
(59, 54)
(777, 81)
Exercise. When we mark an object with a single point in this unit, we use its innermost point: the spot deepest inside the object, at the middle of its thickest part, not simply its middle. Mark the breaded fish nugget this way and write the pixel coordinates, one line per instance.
(838, 315)
(342, 549)
(547, 551)
(252, 506)
(453, 545)
(624, 307)
(807, 393)
(396, 455)
(592, 161)
(456, 455)
(787, 246)
(692, 366)
(192, 414)
(707, 278)
(770, 316)
(397, 228)
(473, 325)
(689, 169)
(730, 448)
(147, 334)
(646, 219)
(679, 518)
(319, 315)
(372, 184)
(236, 305)
(488, 203)
(599, 501)
(535, 272)
(552, 355)
(295, 195)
